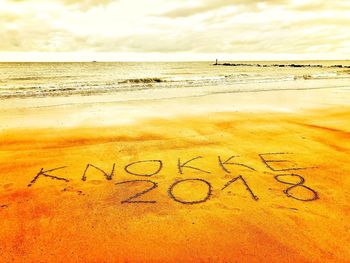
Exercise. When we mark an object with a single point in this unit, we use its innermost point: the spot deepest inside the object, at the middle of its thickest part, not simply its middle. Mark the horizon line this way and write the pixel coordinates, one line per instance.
(165, 61)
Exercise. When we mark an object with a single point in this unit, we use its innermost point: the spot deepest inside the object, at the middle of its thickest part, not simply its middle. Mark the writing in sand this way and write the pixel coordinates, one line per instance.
(276, 163)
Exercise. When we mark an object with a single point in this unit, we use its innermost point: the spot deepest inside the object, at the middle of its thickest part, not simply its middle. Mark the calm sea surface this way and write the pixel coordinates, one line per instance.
(22, 80)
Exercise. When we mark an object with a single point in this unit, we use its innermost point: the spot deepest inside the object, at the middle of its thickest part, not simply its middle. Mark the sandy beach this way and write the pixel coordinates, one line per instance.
(200, 131)
(226, 177)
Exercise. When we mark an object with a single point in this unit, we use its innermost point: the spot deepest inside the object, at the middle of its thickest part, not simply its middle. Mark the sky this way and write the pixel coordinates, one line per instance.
(176, 30)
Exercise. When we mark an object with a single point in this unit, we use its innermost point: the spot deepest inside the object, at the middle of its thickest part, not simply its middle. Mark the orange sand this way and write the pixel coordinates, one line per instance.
(86, 221)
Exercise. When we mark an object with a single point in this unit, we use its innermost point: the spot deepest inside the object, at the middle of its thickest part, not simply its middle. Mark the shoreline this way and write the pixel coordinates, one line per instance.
(105, 110)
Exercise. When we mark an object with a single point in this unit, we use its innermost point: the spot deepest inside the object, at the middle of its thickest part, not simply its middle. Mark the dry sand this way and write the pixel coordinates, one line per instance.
(281, 198)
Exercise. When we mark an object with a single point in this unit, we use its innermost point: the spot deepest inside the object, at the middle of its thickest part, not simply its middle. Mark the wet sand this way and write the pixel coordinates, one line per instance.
(222, 178)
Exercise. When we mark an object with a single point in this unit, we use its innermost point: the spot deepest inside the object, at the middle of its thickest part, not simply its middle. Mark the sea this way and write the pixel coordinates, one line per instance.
(171, 79)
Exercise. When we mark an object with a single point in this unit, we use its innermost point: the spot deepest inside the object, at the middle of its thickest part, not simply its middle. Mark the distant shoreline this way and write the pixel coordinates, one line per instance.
(279, 65)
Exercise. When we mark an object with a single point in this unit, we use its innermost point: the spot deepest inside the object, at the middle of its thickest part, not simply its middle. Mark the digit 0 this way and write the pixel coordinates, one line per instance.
(176, 183)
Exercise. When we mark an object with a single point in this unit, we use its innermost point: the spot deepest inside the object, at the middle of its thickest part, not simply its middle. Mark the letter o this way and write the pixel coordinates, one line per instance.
(126, 168)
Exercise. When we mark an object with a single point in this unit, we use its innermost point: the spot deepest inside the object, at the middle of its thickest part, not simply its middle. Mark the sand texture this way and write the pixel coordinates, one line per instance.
(224, 185)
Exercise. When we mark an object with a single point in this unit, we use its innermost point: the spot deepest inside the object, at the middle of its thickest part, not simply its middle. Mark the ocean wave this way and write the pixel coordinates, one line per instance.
(92, 86)
(239, 75)
(183, 79)
(143, 80)
(195, 78)
(323, 75)
(34, 78)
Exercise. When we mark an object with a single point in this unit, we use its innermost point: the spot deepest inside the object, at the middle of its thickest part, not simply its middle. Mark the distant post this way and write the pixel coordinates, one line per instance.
(216, 62)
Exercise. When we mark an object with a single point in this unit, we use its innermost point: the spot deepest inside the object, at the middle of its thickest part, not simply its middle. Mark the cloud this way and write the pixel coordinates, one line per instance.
(317, 6)
(87, 4)
(79, 4)
(193, 27)
(204, 6)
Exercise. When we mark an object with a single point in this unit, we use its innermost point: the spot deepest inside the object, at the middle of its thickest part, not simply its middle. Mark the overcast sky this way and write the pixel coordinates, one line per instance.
(131, 30)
